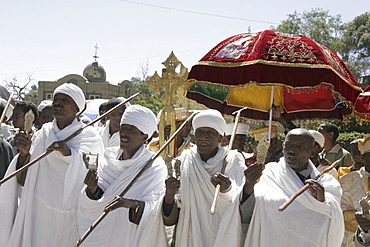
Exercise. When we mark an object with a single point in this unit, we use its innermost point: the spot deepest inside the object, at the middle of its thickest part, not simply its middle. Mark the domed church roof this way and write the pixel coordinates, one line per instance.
(94, 72)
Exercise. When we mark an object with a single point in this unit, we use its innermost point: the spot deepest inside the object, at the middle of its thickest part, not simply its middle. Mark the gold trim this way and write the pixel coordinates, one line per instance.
(300, 65)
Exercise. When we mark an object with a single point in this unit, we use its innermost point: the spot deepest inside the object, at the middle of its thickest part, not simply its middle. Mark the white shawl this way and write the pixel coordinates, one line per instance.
(196, 226)
(114, 176)
(109, 140)
(47, 212)
(306, 222)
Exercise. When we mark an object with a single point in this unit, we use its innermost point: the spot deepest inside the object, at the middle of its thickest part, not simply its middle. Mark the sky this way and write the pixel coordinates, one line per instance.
(51, 39)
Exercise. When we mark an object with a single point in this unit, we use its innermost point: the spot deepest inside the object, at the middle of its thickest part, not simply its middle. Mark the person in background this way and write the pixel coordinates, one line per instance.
(110, 131)
(6, 151)
(319, 163)
(355, 186)
(18, 119)
(240, 139)
(102, 110)
(182, 140)
(45, 110)
(333, 151)
(357, 158)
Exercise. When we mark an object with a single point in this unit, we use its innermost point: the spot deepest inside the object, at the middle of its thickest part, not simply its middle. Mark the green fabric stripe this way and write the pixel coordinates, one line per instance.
(213, 91)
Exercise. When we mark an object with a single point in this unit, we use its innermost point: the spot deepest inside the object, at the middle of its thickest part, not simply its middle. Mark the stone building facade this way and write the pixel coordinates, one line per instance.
(93, 83)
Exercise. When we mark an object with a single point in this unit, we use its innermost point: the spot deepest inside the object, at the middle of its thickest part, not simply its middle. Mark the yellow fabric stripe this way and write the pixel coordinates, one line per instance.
(255, 96)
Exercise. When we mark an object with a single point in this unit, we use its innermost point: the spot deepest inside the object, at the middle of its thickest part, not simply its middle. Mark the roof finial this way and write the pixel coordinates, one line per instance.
(96, 52)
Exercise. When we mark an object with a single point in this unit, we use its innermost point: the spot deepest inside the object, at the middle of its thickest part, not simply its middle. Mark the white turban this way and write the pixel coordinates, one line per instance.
(211, 119)
(319, 138)
(140, 117)
(9, 112)
(43, 104)
(242, 129)
(74, 92)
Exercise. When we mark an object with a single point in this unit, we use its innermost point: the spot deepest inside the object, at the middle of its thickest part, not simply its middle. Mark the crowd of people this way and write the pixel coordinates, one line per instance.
(56, 200)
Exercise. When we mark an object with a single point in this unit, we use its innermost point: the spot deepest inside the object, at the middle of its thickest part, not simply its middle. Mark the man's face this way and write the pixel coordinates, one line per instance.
(297, 150)
(316, 150)
(46, 115)
(185, 131)
(239, 142)
(207, 140)
(18, 118)
(64, 107)
(115, 117)
(131, 138)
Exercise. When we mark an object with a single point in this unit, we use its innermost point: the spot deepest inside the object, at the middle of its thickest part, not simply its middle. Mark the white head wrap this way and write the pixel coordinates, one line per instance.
(319, 138)
(140, 117)
(43, 104)
(211, 119)
(242, 129)
(9, 112)
(74, 92)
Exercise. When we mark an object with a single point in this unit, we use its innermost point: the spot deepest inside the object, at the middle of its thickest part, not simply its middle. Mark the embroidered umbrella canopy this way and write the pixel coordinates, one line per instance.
(362, 104)
(306, 79)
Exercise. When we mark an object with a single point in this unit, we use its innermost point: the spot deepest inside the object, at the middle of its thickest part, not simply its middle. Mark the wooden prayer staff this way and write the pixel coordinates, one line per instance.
(6, 108)
(67, 139)
(304, 188)
(223, 168)
(96, 223)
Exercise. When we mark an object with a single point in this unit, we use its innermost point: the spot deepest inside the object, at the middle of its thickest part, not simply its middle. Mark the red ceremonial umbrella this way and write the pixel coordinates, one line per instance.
(307, 79)
(362, 104)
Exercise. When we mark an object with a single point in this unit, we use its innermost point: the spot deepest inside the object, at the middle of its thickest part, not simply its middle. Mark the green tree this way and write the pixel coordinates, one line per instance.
(351, 40)
(32, 94)
(355, 46)
(317, 24)
(147, 97)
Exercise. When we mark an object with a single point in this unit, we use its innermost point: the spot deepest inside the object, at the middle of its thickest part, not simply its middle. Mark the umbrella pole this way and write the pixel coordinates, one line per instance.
(270, 115)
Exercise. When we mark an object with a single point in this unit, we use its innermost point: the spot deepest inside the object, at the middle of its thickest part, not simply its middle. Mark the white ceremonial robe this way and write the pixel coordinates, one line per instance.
(196, 226)
(108, 139)
(307, 222)
(114, 176)
(47, 211)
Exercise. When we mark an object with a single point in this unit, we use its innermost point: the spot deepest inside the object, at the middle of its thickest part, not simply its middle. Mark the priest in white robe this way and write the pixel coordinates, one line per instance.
(47, 210)
(190, 208)
(123, 226)
(314, 218)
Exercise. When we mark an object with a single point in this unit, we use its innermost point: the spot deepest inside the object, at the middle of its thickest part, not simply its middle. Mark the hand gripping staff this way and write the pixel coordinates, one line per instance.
(67, 139)
(304, 188)
(96, 223)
